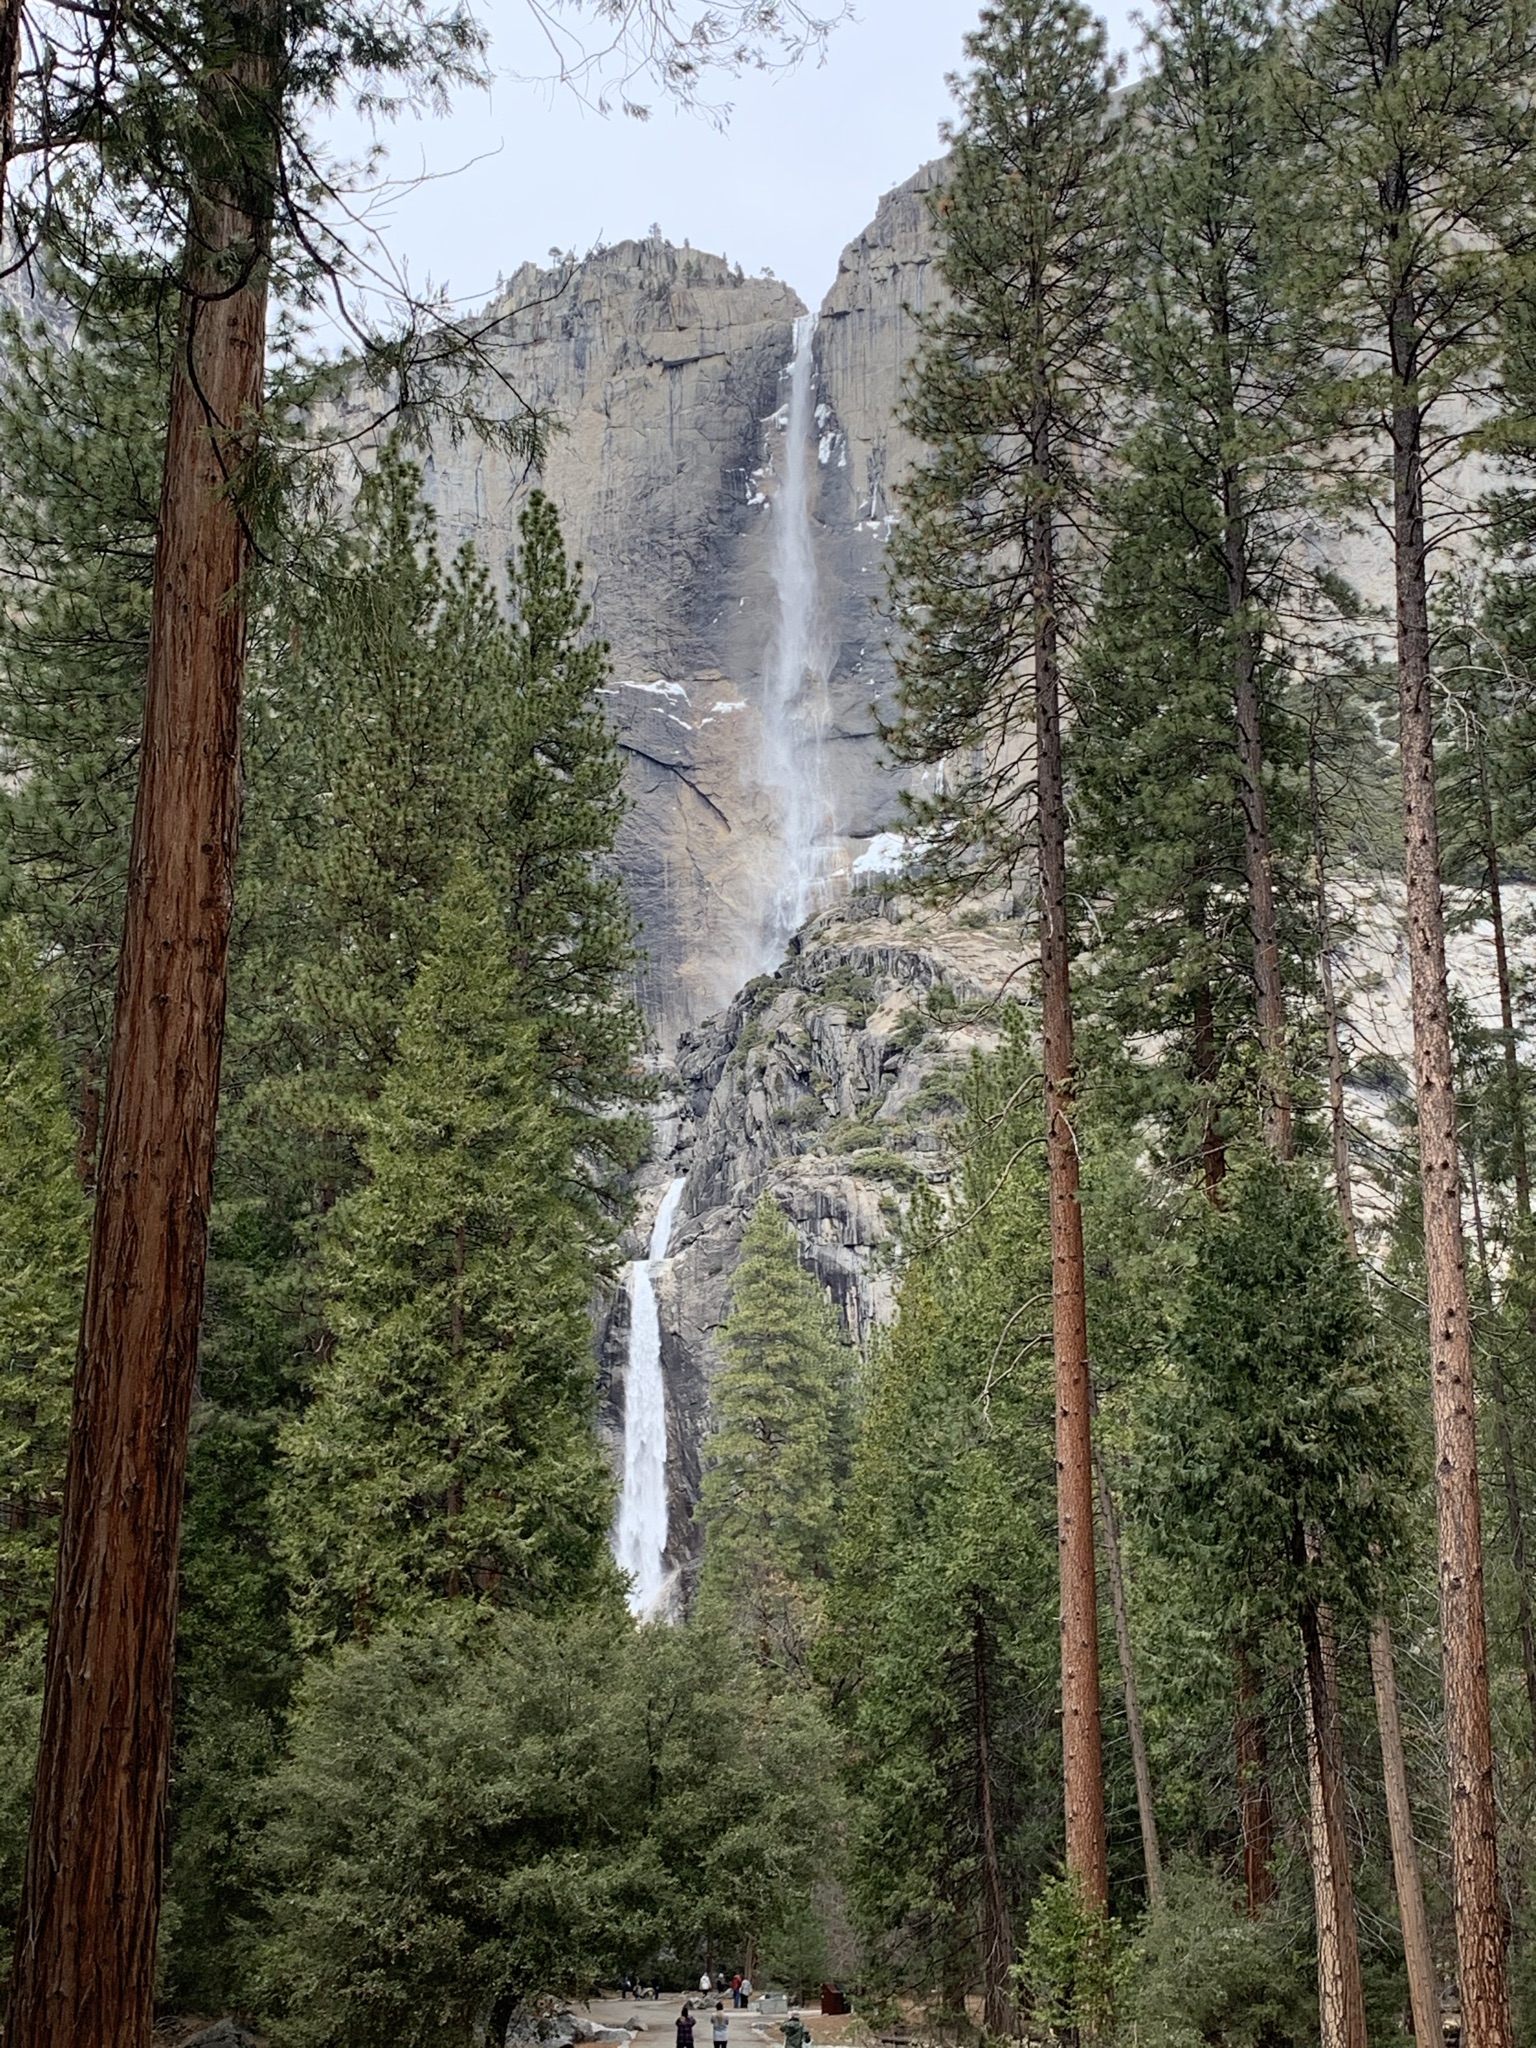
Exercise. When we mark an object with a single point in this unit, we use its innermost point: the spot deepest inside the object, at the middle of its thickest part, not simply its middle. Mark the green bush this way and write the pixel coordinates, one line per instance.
(1204, 1976)
(474, 1815)
(1074, 1960)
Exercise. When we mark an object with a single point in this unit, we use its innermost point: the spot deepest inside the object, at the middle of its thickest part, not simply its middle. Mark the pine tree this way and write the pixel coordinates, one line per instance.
(1007, 394)
(944, 1592)
(1416, 161)
(42, 1269)
(413, 712)
(448, 1452)
(774, 1459)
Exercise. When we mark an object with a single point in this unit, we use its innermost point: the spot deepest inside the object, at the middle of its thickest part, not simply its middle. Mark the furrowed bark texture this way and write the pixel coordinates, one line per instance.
(1481, 1930)
(1423, 1994)
(1082, 1756)
(85, 1941)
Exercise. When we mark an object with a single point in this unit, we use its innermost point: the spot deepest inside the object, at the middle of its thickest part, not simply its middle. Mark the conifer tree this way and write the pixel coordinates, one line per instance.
(1417, 167)
(448, 1452)
(943, 1599)
(42, 1268)
(1007, 394)
(774, 1460)
(81, 436)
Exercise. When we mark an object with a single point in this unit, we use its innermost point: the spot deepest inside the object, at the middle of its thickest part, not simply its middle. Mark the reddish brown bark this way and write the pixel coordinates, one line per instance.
(1081, 1735)
(85, 1941)
(1256, 1814)
(1481, 1927)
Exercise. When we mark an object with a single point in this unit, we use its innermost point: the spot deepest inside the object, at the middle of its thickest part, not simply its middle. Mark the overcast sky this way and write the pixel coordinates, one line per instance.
(792, 177)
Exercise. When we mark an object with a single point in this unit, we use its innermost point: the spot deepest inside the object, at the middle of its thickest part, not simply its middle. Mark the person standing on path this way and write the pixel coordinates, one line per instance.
(685, 2026)
(705, 1985)
(719, 2026)
(736, 1991)
(746, 1990)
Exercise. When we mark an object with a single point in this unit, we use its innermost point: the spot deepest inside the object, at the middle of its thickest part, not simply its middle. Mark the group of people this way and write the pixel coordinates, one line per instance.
(739, 1986)
(796, 2033)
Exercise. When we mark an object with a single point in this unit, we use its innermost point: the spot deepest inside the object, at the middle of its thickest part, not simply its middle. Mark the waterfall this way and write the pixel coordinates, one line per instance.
(793, 686)
(640, 1531)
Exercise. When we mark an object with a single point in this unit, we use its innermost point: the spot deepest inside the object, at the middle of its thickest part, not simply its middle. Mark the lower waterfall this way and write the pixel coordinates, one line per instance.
(640, 1530)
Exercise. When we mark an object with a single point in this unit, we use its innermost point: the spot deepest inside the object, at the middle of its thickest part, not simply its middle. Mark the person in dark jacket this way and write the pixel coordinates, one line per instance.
(685, 2027)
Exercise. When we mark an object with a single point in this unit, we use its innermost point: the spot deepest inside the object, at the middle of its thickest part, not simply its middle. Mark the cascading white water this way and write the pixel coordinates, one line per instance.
(793, 700)
(640, 1531)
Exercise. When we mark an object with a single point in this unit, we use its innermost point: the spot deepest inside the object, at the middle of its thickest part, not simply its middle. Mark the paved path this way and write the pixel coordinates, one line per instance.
(748, 2029)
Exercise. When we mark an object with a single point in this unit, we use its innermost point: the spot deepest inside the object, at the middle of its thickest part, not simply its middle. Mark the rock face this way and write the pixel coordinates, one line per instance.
(666, 371)
(828, 1086)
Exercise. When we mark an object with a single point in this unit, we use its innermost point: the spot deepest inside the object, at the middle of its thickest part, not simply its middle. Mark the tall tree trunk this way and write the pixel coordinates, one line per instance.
(1343, 1190)
(1504, 1438)
(1082, 1741)
(1258, 858)
(85, 1938)
(995, 1921)
(89, 1135)
(1422, 1992)
(1341, 1989)
(11, 33)
(1146, 1810)
(1256, 1813)
(1481, 1927)
(1511, 1044)
(1405, 1860)
(1213, 1151)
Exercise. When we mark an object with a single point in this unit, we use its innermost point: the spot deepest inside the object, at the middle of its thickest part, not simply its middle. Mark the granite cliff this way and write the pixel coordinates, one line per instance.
(668, 375)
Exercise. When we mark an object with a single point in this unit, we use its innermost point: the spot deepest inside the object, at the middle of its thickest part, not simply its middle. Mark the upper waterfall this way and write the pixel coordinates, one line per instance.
(794, 706)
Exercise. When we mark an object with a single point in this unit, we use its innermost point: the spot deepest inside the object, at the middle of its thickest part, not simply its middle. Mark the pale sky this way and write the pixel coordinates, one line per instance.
(793, 176)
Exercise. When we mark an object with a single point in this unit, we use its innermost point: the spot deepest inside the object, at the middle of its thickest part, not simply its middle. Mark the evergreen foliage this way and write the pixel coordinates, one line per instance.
(946, 1596)
(775, 1460)
(1007, 393)
(82, 404)
(42, 1271)
(472, 1820)
(1280, 1418)
(448, 1449)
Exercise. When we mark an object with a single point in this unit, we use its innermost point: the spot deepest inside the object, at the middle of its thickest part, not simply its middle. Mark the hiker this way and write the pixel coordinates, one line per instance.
(746, 1990)
(705, 1986)
(736, 1998)
(719, 2026)
(685, 2026)
(796, 2033)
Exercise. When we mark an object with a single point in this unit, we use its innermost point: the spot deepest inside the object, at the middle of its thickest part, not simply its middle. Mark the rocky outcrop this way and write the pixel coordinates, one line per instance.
(829, 1086)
